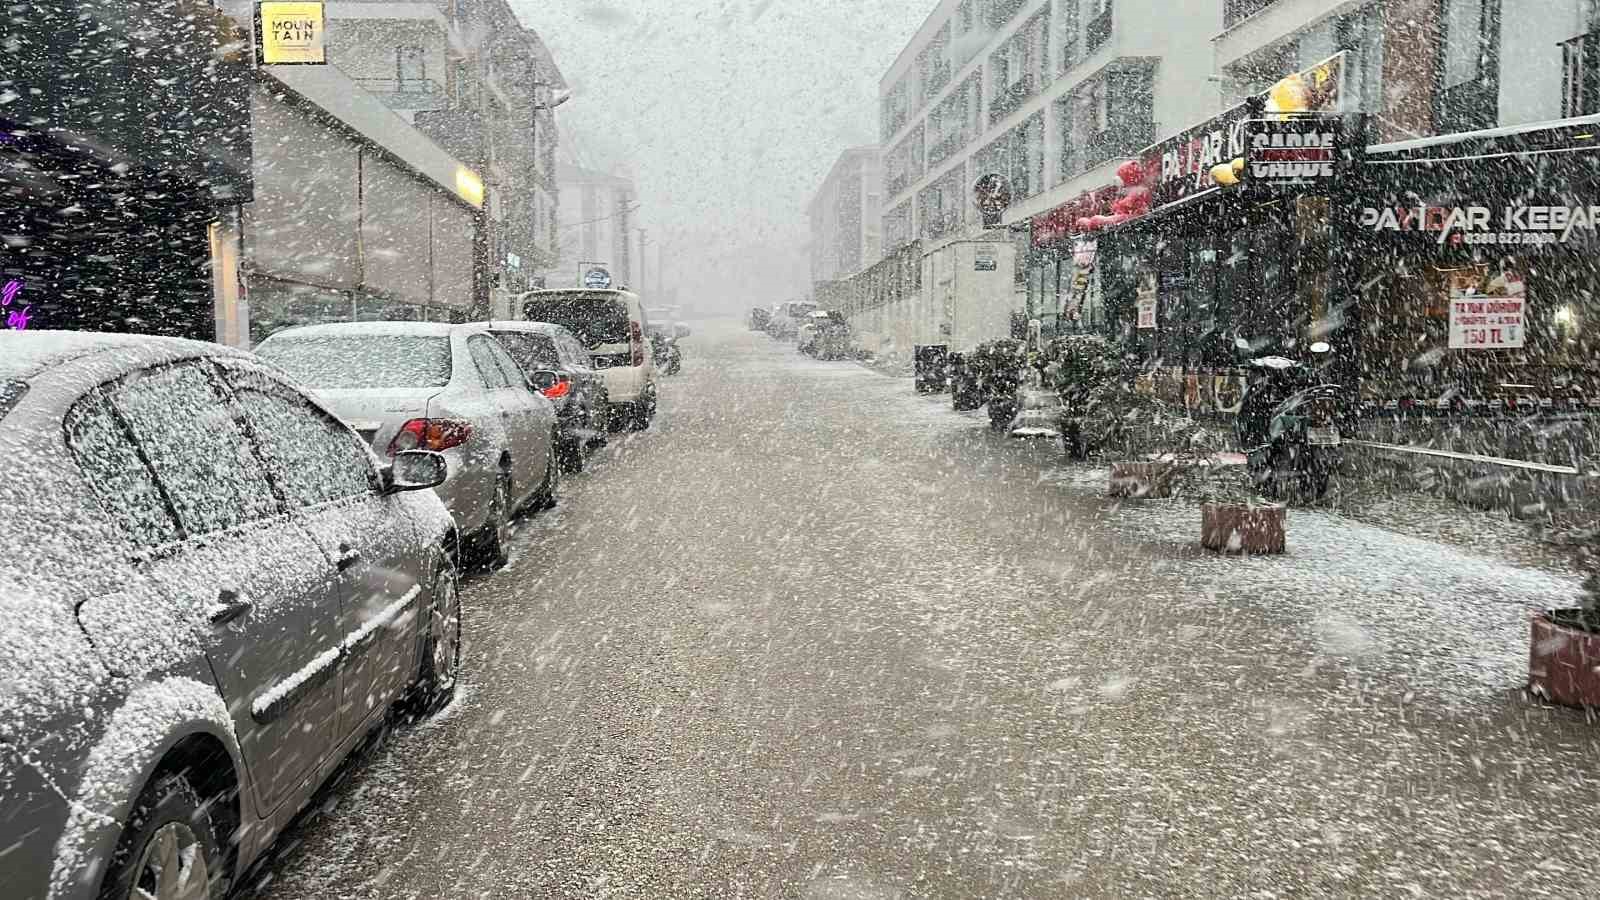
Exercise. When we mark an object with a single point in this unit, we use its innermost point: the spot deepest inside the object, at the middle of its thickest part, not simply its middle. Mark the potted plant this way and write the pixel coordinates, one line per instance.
(1233, 519)
(1081, 364)
(1564, 652)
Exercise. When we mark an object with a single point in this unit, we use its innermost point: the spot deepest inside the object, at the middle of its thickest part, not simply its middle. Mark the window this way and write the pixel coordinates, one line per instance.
(1469, 96)
(1464, 44)
(362, 361)
(410, 64)
(126, 488)
(531, 351)
(1070, 33)
(193, 442)
(313, 457)
(485, 361)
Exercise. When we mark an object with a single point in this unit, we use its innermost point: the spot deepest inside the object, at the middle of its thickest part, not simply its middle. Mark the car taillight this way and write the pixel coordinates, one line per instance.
(558, 390)
(636, 338)
(430, 434)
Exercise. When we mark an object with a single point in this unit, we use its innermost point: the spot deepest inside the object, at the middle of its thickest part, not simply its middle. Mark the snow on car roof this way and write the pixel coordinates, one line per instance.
(24, 354)
(534, 327)
(440, 329)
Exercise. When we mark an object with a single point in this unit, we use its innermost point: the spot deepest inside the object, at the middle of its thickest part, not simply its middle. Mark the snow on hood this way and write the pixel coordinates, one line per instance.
(1274, 362)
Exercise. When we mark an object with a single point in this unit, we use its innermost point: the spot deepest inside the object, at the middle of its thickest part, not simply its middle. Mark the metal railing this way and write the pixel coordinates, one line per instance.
(1580, 75)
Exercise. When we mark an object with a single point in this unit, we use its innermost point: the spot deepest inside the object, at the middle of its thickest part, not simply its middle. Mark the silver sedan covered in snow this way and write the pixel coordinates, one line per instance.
(434, 386)
(213, 590)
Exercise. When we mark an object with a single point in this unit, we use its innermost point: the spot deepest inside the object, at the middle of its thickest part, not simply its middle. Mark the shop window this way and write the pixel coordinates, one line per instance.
(410, 64)
(1071, 34)
(1469, 65)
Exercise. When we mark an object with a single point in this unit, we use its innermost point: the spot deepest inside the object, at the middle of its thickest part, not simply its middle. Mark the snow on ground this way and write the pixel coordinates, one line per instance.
(1449, 620)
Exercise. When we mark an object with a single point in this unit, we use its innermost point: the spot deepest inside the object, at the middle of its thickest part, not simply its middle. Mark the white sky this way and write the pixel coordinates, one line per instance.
(728, 113)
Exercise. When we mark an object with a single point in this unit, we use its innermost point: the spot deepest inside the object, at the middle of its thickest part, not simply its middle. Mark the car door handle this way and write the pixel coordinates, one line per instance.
(230, 606)
(349, 558)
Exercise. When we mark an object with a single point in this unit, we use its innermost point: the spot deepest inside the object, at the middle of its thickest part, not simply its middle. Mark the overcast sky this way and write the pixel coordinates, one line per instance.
(728, 113)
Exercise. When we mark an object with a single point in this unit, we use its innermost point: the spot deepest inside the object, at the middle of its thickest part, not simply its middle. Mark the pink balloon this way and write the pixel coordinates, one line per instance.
(1130, 173)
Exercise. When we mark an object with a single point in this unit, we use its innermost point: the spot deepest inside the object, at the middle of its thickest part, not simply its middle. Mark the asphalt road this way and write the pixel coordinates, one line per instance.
(816, 637)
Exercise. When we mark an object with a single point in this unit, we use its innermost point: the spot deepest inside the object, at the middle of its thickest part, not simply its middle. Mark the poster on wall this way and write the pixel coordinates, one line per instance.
(1147, 300)
(1486, 311)
(15, 310)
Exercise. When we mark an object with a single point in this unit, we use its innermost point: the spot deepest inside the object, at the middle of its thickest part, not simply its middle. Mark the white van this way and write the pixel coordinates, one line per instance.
(613, 327)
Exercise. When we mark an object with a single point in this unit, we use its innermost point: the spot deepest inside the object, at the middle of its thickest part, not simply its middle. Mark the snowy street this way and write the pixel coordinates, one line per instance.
(816, 636)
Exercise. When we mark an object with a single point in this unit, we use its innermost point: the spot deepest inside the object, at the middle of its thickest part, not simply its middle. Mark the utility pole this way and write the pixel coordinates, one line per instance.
(643, 284)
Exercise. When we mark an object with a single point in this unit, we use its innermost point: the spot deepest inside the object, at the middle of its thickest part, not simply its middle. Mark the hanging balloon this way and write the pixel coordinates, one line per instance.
(1085, 223)
(1139, 194)
(1130, 173)
(1223, 174)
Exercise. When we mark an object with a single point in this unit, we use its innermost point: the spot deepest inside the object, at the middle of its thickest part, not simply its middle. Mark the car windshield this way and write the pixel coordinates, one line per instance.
(375, 360)
(594, 319)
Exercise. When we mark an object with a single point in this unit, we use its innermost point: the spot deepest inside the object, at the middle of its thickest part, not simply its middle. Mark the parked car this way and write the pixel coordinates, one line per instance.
(760, 316)
(612, 327)
(788, 318)
(226, 593)
(560, 368)
(447, 388)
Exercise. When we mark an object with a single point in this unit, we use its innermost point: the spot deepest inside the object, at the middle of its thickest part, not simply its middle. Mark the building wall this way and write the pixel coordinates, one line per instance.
(1060, 96)
(597, 223)
(845, 218)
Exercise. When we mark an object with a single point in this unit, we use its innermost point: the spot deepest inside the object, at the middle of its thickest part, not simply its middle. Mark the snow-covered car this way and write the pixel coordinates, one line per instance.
(577, 389)
(224, 590)
(452, 389)
(614, 327)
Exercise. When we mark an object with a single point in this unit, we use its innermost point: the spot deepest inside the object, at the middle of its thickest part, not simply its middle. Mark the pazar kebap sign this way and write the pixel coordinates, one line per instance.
(290, 34)
(1496, 225)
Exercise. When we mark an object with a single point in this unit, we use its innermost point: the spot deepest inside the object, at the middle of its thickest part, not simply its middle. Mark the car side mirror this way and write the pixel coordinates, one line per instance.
(415, 470)
(543, 380)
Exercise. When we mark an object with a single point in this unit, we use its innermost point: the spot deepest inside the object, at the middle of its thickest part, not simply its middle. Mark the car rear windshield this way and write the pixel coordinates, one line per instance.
(336, 362)
(594, 318)
(531, 351)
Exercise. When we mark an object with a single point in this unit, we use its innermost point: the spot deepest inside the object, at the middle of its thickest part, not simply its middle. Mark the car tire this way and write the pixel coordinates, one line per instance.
(549, 492)
(169, 821)
(493, 540)
(440, 667)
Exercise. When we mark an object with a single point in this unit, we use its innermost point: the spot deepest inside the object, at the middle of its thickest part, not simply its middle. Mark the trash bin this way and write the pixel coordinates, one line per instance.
(930, 367)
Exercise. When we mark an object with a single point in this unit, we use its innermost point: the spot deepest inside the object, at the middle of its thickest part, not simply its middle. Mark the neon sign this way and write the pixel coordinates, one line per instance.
(16, 319)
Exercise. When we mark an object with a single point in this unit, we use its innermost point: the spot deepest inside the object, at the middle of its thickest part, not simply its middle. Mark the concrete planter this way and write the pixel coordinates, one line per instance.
(1564, 659)
(1243, 528)
(1142, 479)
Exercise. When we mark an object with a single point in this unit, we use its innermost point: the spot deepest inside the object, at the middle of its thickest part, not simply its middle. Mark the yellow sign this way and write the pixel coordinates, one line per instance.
(290, 34)
(469, 186)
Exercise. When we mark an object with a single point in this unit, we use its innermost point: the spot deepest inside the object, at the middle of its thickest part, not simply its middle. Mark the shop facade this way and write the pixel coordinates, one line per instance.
(1476, 258)
(123, 222)
(358, 216)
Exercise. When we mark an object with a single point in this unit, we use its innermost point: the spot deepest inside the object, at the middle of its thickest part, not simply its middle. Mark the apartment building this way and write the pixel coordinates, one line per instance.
(483, 86)
(598, 215)
(1050, 93)
(1424, 67)
(846, 234)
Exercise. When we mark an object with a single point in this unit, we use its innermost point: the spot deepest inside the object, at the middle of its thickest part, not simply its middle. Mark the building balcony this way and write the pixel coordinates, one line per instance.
(1125, 139)
(409, 94)
(1253, 24)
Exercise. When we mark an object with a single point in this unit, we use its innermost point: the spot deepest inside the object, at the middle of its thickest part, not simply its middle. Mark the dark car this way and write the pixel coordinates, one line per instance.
(227, 593)
(572, 383)
(760, 317)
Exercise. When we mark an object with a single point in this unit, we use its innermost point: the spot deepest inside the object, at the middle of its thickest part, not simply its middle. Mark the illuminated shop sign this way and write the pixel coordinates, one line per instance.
(290, 34)
(1484, 224)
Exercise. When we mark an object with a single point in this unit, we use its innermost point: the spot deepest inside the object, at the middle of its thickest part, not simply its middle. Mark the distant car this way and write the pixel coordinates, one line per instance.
(788, 318)
(448, 388)
(226, 593)
(551, 354)
(612, 326)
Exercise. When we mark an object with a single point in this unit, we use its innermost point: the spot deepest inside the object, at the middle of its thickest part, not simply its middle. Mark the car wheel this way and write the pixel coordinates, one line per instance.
(549, 490)
(441, 652)
(644, 412)
(169, 847)
(494, 539)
